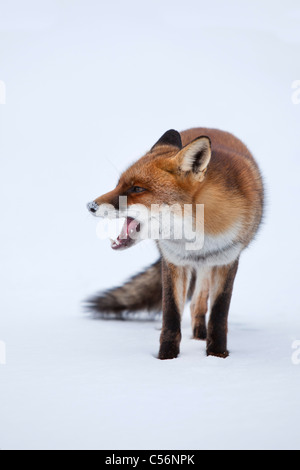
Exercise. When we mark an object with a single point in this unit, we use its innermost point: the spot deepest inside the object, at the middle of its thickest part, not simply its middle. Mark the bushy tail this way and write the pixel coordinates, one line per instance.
(142, 292)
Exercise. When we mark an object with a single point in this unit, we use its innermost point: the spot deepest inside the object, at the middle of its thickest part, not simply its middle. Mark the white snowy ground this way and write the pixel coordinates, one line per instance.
(90, 86)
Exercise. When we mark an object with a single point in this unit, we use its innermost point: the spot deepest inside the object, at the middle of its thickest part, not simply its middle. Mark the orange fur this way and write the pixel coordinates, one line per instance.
(199, 166)
(231, 189)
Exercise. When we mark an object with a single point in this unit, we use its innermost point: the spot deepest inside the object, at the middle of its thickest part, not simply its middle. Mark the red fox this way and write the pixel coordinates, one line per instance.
(196, 166)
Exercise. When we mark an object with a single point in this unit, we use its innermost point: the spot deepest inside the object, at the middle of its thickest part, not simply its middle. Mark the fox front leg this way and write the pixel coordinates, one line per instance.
(175, 281)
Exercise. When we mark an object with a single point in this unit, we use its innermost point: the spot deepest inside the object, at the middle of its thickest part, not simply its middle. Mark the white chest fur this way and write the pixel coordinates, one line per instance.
(217, 250)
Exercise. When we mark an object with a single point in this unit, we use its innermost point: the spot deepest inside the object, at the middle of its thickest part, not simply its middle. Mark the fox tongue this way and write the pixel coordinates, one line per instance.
(125, 230)
(129, 228)
(125, 239)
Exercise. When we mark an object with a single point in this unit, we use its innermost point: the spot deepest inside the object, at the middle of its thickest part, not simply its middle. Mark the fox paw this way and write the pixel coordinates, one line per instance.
(168, 350)
(199, 332)
(222, 354)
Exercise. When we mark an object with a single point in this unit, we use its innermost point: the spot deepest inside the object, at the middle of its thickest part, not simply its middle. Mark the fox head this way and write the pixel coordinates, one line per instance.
(168, 175)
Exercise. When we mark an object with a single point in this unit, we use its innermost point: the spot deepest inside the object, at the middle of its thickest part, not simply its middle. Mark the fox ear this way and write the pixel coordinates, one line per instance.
(195, 157)
(170, 137)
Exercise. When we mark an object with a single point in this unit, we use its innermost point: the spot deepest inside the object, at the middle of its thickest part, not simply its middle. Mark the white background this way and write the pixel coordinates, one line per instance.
(90, 86)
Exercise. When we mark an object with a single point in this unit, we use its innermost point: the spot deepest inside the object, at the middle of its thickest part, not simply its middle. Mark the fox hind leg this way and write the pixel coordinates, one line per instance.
(199, 306)
(222, 280)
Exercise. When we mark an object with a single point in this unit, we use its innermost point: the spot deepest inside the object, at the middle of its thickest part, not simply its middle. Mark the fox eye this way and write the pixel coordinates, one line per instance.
(136, 189)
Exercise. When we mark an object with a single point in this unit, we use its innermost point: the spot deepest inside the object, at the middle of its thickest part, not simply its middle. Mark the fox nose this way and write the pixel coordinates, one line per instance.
(92, 207)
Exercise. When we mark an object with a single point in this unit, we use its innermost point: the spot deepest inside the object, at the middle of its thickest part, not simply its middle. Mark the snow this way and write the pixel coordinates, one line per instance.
(89, 87)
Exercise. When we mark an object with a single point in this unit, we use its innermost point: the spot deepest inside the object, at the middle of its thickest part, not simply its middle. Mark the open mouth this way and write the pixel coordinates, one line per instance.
(128, 235)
